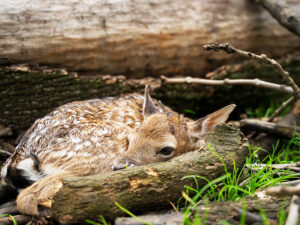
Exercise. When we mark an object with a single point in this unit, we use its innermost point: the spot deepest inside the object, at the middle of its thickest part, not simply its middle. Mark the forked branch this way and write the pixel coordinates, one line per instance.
(260, 58)
(255, 82)
(284, 14)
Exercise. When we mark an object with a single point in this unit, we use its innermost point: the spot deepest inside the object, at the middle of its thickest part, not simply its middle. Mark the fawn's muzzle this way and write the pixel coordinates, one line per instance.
(122, 164)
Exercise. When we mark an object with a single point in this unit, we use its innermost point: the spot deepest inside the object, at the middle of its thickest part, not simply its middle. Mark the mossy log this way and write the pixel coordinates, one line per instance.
(137, 38)
(215, 212)
(150, 187)
(29, 93)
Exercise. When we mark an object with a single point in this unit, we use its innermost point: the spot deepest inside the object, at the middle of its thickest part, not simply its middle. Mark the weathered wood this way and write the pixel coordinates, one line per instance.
(9, 210)
(145, 188)
(279, 130)
(27, 93)
(284, 14)
(20, 219)
(214, 212)
(137, 37)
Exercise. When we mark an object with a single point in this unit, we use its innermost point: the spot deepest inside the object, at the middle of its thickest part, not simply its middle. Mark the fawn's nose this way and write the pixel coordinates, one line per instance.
(121, 164)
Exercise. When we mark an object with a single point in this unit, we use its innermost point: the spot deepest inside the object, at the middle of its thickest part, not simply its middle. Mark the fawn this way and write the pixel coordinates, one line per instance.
(95, 136)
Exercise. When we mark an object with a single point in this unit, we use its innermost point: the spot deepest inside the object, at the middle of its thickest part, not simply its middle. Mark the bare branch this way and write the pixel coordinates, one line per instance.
(290, 166)
(291, 183)
(293, 212)
(255, 82)
(251, 218)
(283, 190)
(270, 128)
(284, 14)
(260, 58)
(281, 108)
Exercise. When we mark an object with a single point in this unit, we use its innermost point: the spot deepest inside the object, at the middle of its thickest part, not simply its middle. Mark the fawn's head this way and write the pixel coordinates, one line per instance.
(163, 136)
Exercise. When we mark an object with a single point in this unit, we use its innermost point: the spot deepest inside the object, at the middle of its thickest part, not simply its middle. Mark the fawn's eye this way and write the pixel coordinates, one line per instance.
(166, 151)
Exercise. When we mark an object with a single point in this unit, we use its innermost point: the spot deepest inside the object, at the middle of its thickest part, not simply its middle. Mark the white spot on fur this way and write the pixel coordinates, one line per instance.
(120, 136)
(102, 132)
(37, 138)
(75, 139)
(98, 145)
(102, 156)
(28, 170)
(56, 123)
(50, 169)
(78, 147)
(60, 154)
(75, 122)
(94, 139)
(87, 143)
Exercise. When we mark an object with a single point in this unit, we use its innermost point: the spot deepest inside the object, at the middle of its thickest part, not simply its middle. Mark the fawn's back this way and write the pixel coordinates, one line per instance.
(95, 136)
(82, 138)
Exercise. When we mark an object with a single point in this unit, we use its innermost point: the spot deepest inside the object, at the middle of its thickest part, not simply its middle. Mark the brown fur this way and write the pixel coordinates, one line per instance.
(96, 136)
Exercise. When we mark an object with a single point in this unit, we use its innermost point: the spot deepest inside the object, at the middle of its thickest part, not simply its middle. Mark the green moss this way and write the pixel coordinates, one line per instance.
(26, 96)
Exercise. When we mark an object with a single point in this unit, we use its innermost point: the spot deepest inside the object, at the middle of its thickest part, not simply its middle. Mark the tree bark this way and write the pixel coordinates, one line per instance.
(145, 188)
(284, 14)
(278, 130)
(29, 92)
(137, 38)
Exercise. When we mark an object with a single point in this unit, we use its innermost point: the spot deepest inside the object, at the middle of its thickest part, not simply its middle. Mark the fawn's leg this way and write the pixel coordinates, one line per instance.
(36, 199)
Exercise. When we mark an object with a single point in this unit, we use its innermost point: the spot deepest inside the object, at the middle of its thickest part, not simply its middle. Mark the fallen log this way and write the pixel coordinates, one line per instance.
(28, 93)
(144, 188)
(18, 219)
(284, 14)
(215, 212)
(278, 130)
(137, 38)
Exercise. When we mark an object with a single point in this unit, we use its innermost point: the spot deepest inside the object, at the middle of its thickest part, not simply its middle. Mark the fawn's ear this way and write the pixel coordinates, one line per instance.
(209, 122)
(148, 106)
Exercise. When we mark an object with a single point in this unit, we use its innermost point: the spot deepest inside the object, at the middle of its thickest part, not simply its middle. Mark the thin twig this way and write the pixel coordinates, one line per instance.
(244, 182)
(293, 212)
(260, 58)
(290, 166)
(174, 207)
(281, 108)
(283, 190)
(286, 131)
(251, 218)
(291, 183)
(255, 82)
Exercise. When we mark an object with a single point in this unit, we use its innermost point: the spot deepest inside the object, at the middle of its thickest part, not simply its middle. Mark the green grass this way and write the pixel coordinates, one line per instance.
(11, 217)
(131, 214)
(239, 183)
(96, 223)
(242, 182)
(266, 110)
(236, 185)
